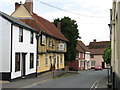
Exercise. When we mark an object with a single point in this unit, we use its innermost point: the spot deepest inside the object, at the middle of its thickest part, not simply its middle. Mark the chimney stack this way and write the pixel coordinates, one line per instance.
(94, 40)
(16, 5)
(29, 5)
(59, 25)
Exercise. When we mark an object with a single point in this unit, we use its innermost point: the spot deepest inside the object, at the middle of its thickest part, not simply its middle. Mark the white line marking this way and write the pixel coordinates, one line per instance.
(95, 84)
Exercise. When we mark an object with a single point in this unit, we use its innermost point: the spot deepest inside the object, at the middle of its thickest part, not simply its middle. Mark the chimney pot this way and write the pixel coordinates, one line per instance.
(16, 5)
(94, 40)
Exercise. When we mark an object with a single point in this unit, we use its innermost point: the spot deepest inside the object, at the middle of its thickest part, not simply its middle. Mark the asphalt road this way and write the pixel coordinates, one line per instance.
(82, 80)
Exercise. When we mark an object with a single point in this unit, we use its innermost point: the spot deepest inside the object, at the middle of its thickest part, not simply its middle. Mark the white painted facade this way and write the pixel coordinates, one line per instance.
(8, 64)
(23, 47)
(5, 46)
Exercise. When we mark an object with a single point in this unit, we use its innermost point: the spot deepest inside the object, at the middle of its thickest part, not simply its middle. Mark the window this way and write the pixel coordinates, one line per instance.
(31, 37)
(51, 59)
(43, 39)
(20, 35)
(46, 59)
(38, 61)
(17, 62)
(61, 59)
(51, 43)
(61, 46)
(31, 60)
(93, 63)
(54, 59)
(92, 56)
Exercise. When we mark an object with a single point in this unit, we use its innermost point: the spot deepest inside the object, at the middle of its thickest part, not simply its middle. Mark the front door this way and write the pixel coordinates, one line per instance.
(23, 64)
(57, 62)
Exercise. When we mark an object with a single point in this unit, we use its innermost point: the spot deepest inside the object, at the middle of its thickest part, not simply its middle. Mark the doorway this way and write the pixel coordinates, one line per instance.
(23, 68)
(103, 65)
(57, 62)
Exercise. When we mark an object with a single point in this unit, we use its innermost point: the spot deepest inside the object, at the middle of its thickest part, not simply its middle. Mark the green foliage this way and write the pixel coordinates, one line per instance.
(107, 55)
(70, 31)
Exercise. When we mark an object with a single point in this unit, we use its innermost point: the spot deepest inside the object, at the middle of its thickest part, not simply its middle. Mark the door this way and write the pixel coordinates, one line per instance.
(23, 64)
(57, 62)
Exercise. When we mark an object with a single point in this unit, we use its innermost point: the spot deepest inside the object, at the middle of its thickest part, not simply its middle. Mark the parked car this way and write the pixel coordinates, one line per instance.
(98, 67)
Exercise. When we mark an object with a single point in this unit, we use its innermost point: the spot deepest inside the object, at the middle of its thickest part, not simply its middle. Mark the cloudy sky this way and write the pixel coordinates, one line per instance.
(92, 16)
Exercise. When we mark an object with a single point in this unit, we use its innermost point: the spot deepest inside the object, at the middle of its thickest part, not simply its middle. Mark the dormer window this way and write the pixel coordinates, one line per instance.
(20, 35)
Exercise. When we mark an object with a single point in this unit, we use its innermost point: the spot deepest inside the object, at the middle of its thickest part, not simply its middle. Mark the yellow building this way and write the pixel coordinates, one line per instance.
(52, 43)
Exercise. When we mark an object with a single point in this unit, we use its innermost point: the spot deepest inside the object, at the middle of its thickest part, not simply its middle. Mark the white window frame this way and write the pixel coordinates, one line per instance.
(43, 39)
(46, 60)
(61, 46)
(38, 61)
(61, 59)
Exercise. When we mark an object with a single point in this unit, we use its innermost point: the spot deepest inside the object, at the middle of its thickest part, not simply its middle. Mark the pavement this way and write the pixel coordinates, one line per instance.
(24, 83)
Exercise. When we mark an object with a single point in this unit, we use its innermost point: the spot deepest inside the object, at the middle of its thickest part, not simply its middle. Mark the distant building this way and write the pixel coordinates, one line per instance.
(18, 49)
(96, 53)
(82, 61)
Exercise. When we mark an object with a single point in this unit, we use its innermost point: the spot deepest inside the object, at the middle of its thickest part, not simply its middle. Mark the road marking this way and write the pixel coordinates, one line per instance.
(95, 84)
(35, 84)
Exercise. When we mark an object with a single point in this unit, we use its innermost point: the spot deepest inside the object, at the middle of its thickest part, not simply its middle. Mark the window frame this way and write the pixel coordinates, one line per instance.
(61, 59)
(20, 34)
(16, 65)
(46, 59)
(43, 39)
(31, 37)
(31, 61)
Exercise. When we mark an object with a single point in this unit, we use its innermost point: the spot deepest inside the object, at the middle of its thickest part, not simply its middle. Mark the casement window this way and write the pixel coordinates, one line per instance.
(46, 59)
(51, 43)
(20, 35)
(17, 62)
(93, 63)
(31, 60)
(61, 59)
(54, 59)
(43, 39)
(38, 61)
(31, 37)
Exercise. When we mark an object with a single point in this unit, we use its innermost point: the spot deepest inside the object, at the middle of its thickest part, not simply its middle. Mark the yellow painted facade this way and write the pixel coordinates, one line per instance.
(50, 54)
(21, 12)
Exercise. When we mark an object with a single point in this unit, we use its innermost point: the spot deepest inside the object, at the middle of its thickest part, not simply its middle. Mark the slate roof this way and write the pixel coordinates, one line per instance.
(16, 21)
(97, 48)
(41, 24)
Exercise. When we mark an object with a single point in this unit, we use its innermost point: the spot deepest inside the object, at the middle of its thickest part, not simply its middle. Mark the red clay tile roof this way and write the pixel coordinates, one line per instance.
(81, 47)
(97, 51)
(41, 24)
(99, 45)
(97, 48)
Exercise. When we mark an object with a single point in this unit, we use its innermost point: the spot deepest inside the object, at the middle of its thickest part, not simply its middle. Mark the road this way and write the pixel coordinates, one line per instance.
(82, 80)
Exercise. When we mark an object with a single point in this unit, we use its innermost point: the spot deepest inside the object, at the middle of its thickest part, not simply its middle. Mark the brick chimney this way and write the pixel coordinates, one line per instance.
(94, 40)
(16, 5)
(29, 5)
(59, 25)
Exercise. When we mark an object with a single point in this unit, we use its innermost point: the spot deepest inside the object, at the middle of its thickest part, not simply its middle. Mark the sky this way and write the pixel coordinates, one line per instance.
(92, 16)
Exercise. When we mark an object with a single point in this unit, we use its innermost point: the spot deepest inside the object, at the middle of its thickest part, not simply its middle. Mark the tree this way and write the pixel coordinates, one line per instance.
(70, 31)
(107, 55)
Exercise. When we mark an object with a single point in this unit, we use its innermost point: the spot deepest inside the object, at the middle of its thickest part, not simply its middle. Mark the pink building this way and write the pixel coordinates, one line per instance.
(82, 61)
(96, 53)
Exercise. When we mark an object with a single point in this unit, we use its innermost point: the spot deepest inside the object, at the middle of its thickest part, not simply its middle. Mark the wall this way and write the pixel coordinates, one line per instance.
(5, 46)
(23, 47)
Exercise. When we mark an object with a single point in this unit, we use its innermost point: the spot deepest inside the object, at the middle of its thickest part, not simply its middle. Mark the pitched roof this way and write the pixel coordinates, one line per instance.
(98, 48)
(16, 21)
(99, 45)
(81, 46)
(41, 24)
